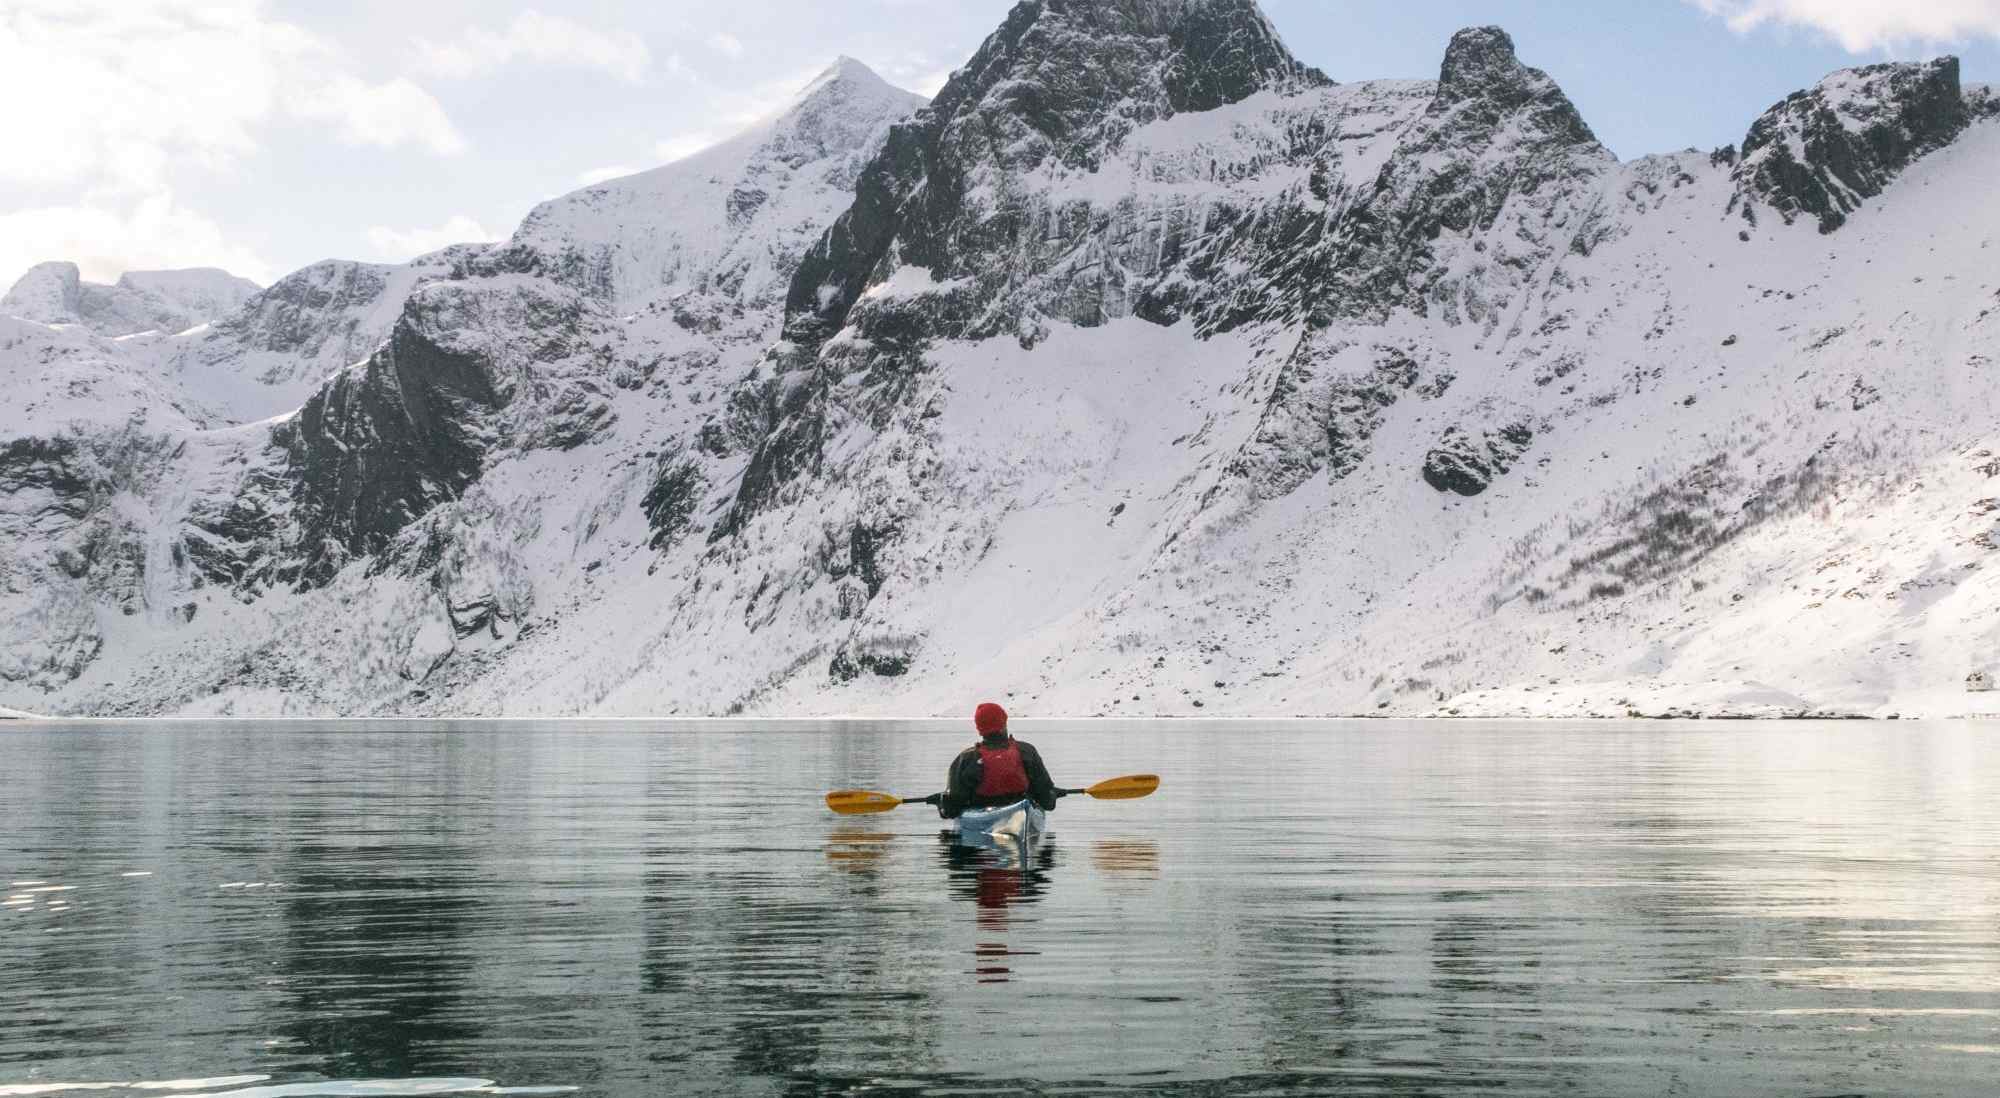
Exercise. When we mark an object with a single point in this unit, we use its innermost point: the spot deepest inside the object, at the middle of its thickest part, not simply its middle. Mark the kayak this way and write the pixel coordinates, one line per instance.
(1020, 822)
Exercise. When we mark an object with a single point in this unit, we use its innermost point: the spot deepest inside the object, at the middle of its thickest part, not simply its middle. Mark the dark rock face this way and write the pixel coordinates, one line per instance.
(1467, 465)
(848, 666)
(236, 542)
(1855, 131)
(69, 551)
(50, 465)
(670, 503)
(379, 446)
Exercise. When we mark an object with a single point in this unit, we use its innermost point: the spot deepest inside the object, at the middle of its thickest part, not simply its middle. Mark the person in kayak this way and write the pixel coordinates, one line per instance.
(998, 770)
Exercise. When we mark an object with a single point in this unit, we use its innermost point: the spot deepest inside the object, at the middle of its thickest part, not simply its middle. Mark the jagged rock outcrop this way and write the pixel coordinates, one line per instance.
(1825, 150)
(1468, 462)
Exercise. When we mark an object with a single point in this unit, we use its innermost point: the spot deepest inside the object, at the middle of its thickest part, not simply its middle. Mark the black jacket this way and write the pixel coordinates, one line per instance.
(967, 771)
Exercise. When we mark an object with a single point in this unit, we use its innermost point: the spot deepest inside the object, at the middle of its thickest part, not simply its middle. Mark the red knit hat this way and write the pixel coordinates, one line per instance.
(990, 719)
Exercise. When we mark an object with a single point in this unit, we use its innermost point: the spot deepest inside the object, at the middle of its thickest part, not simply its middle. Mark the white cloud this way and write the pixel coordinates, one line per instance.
(599, 175)
(1863, 26)
(108, 94)
(105, 240)
(728, 45)
(397, 245)
(383, 114)
(541, 39)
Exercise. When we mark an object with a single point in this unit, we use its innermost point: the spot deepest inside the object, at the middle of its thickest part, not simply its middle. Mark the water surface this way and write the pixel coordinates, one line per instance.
(1353, 908)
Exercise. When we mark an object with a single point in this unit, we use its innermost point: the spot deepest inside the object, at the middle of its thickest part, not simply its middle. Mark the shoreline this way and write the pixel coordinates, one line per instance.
(952, 723)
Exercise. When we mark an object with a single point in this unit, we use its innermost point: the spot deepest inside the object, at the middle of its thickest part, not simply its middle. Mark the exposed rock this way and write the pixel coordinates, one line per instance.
(1468, 464)
(670, 502)
(1824, 151)
(381, 445)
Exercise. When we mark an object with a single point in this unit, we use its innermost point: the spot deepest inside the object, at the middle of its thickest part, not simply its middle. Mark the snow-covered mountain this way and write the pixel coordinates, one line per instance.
(728, 223)
(1145, 370)
(139, 302)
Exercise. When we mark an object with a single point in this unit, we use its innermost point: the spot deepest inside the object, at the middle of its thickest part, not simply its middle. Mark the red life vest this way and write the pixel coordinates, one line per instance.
(1001, 773)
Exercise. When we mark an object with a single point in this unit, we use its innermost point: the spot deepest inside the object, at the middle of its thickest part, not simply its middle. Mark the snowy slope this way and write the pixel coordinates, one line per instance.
(1145, 370)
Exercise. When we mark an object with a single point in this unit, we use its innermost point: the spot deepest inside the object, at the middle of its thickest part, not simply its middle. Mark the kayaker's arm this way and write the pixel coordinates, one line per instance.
(1041, 788)
(959, 782)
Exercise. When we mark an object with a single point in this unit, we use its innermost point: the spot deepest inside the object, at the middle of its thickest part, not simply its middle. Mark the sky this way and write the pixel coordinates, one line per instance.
(262, 135)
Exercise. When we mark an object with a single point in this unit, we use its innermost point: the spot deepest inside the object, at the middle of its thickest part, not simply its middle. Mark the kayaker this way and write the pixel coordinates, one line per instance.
(996, 771)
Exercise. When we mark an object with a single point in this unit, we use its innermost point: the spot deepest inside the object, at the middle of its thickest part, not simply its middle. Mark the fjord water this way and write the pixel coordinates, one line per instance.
(1354, 908)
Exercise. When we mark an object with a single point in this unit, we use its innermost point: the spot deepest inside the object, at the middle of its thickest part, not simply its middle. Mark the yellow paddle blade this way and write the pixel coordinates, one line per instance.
(860, 802)
(1131, 787)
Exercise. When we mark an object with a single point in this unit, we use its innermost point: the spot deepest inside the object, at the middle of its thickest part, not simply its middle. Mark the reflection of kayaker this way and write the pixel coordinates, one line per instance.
(997, 879)
(996, 772)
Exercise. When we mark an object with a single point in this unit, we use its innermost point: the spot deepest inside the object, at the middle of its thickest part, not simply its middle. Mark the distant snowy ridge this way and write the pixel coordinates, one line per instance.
(165, 302)
(1146, 370)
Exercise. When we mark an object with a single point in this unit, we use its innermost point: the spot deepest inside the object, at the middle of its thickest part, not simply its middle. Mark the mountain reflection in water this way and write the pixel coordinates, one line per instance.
(1378, 908)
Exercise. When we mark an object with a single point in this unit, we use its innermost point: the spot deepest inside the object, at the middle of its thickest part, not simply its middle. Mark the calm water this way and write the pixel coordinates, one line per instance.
(1374, 908)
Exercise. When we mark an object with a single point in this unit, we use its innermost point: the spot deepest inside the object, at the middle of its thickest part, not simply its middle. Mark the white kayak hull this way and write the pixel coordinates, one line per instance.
(1022, 821)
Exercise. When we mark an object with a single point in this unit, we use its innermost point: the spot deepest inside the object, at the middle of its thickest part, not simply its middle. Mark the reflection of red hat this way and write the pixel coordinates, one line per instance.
(989, 719)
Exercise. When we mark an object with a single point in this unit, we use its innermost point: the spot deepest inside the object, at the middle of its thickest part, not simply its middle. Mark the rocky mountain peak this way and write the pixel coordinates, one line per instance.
(1823, 151)
(1477, 57)
(1481, 69)
(836, 113)
(847, 70)
(1061, 84)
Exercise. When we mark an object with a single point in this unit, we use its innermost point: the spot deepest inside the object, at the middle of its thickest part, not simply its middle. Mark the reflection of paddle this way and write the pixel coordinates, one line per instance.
(862, 802)
(1126, 857)
(857, 849)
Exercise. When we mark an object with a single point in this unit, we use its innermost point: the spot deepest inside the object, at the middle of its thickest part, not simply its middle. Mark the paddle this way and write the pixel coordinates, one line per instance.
(862, 802)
